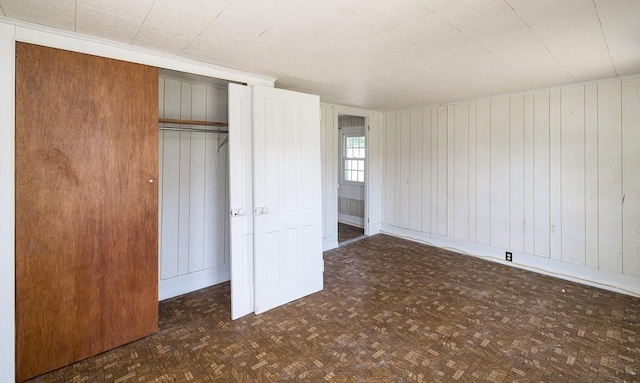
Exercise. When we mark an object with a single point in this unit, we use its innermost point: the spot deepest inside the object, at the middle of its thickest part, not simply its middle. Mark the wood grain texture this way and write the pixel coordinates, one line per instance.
(86, 211)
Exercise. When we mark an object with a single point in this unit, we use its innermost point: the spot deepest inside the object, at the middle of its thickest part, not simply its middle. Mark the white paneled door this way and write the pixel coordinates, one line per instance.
(275, 192)
(287, 196)
(241, 200)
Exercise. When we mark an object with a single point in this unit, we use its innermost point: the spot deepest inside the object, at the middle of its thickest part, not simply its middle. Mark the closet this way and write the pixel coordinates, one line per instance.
(124, 197)
(86, 206)
(193, 183)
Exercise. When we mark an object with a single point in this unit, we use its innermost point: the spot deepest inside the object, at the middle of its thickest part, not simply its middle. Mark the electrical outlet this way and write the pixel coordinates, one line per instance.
(508, 256)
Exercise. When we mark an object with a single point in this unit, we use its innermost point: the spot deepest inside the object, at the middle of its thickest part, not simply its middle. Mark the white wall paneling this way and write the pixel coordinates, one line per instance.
(541, 173)
(403, 139)
(329, 157)
(528, 175)
(194, 226)
(573, 207)
(610, 177)
(482, 225)
(499, 171)
(390, 174)
(450, 171)
(460, 173)
(415, 168)
(550, 175)
(555, 171)
(426, 168)
(516, 173)
(591, 176)
(442, 156)
(473, 173)
(630, 178)
(7, 197)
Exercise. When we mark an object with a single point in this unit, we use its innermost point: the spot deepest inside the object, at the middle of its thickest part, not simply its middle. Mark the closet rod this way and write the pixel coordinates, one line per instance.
(192, 129)
(192, 122)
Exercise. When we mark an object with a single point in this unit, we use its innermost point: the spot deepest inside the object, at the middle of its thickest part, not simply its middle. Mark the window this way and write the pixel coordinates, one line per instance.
(353, 157)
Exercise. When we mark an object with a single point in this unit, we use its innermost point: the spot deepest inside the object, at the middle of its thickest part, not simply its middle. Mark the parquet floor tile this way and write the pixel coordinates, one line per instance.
(347, 232)
(391, 311)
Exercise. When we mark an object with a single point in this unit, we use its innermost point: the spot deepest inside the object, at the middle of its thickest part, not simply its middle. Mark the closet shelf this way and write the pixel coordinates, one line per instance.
(192, 122)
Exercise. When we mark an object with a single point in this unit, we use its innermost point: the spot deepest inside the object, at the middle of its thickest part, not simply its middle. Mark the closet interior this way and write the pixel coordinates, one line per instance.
(193, 199)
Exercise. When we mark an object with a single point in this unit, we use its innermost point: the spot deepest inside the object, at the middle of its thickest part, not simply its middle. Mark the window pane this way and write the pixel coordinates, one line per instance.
(354, 154)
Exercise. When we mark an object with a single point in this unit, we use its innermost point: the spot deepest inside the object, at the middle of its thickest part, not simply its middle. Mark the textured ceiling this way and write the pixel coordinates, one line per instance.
(377, 54)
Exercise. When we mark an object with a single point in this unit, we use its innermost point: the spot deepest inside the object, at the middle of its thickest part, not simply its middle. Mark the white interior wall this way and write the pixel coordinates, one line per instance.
(550, 175)
(193, 194)
(10, 32)
(330, 169)
(328, 141)
(7, 198)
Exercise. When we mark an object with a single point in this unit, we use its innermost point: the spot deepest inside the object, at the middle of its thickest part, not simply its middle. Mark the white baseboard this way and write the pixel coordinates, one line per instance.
(172, 287)
(351, 220)
(329, 243)
(619, 283)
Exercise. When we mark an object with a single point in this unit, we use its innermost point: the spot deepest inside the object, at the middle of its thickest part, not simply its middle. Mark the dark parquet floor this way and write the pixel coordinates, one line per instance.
(391, 311)
(347, 232)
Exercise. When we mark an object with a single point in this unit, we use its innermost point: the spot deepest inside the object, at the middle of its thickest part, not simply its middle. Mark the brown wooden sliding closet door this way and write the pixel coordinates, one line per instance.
(86, 206)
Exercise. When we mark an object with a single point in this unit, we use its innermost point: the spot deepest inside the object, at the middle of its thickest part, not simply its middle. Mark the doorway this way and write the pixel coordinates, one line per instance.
(351, 178)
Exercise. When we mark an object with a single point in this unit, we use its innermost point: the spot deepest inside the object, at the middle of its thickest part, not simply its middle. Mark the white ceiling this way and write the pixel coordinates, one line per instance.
(376, 54)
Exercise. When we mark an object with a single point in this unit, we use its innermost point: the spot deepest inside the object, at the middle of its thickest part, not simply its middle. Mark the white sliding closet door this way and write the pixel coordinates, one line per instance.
(275, 192)
(287, 196)
(241, 200)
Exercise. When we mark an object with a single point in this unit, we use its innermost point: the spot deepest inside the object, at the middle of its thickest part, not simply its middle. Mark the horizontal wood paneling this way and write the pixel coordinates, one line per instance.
(542, 172)
(194, 226)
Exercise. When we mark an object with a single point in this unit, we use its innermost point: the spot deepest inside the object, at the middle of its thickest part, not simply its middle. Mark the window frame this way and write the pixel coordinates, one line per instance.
(343, 154)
